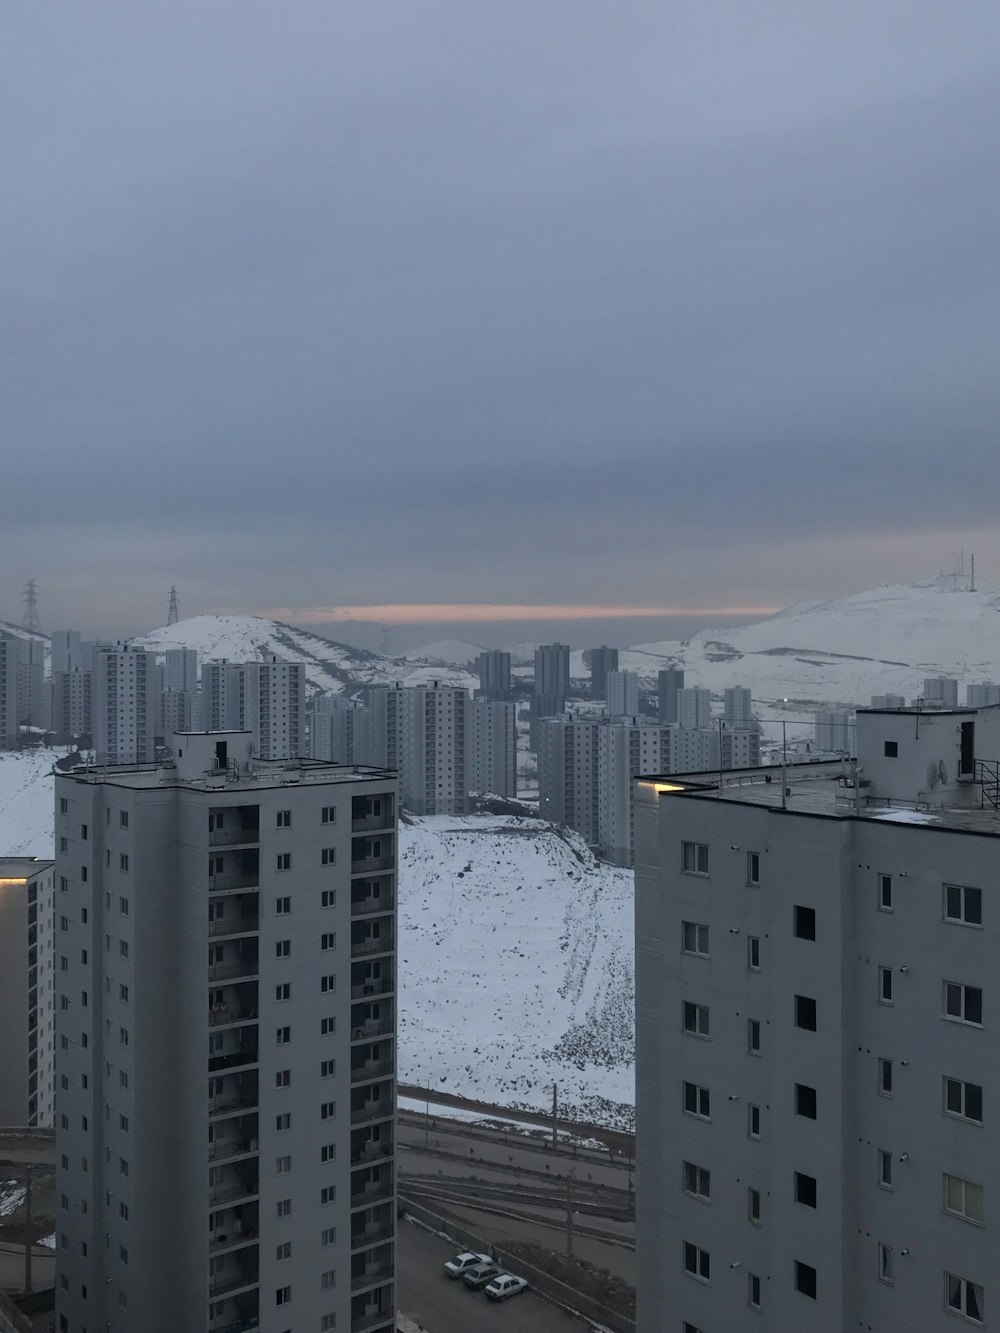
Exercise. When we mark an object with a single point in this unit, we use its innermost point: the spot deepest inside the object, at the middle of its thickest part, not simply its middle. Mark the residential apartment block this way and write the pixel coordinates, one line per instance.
(494, 675)
(668, 683)
(26, 991)
(622, 693)
(816, 1071)
(834, 731)
(226, 1059)
(491, 748)
(602, 660)
(265, 698)
(10, 678)
(125, 705)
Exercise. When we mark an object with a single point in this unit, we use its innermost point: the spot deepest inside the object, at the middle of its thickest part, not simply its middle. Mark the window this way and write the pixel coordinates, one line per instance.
(884, 1077)
(695, 1019)
(327, 1025)
(62, 846)
(964, 1100)
(283, 1208)
(753, 1291)
(328, 1152)
(123, 818)
(282, 906)
(694, 858)
(885, 1169)
(885, 985)
(123, 948)
(327, 1194)
(283, 1165)
(328, 1110)
(63, 805)
(697, 1181)
(283, 1252)
(284, 991)
(753, 1205)
(697, 1101)
(328, 940)
(329, 814)
(327, 1068)
(283, 1078)
(328, 1236)
(83, 832)
(805, 1189)
(964, 1004)
(753, 1036)
(282, 1036)
(805, 1012)
(123, 906)
(753, 1121)
(753, 953)
(63, 884)
(283, 1121)
(283, 819)
(964, 1297)
(327, 1323)
(328, 1279)
(694, 938)
(328, 984)
(963, 905)
(122, 992)
(885, 1263)
(890, 749)
(283, 1296)
(328, 856)
(805, 922)
(283, 949)
(805, 1101)
(283, 861)
(963, 1199)
(885, 893)
(753, 869)
(697, 1263)
(805, 1279)
(123, 861)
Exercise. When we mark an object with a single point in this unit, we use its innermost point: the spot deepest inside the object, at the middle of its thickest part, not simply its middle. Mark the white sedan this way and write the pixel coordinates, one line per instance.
(505, 1285)
(463, 1262)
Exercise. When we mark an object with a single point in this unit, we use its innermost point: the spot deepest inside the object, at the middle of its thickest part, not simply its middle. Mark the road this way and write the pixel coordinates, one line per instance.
(440, 1305)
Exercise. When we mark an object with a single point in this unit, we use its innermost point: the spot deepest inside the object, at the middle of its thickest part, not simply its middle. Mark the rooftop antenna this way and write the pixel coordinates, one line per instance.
(172, 614)
(972, 584)
(30, 621)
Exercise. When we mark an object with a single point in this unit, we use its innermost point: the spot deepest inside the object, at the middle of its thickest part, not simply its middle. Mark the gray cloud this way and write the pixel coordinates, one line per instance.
(383, 302)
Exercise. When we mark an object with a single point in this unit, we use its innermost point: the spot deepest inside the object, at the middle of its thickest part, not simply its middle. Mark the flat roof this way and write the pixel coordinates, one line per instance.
(22, 867)
(258, 775)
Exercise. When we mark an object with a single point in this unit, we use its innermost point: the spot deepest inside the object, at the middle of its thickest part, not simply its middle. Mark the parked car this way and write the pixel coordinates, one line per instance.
(463, 1262)
(479, 1274)
(505, 1285)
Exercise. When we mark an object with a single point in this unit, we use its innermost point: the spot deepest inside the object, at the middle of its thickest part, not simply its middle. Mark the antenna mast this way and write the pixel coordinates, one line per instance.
(972, 585)
(173, 615)
(31, 621)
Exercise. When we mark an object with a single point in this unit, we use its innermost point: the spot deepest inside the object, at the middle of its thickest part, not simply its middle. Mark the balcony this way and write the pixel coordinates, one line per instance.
(245, 967)
(372, 1069)
(235, 837)
(373, 823)
(227, 1284)
(371, 1277)
(226, 1148)
(232, 1191)
(239, 1096)
(381, 1108)
(231, 1240)
(244, 879)
(372, 1191)
(373, 1234)
(373, 1027)
(234, 925)
(374, 986)
(364, 945)
(369, 904)
(371, 1151)
(249, 1325)
(364, 865)
(372, 1318)
(232, 1060)
(225, 1014)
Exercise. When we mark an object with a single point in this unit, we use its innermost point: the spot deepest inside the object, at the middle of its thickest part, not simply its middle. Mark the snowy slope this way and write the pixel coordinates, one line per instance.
(448, 652)
(26, 796)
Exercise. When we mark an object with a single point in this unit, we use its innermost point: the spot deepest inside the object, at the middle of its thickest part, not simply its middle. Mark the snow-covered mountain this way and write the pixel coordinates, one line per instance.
(515, 953)
(330, 666)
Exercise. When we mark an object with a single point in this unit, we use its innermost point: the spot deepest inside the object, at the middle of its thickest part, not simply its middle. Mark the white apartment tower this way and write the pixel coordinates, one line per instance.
(275, 707)
(622, 693)
(834, 731)
(737, 707)
(817, 1078)
(941, 691)
(625, 749)
(432, 751)
(977, 696)
(567, 773)
(67, 650)
(341, 730)
(694, 708)
(180, 669)
(221, 697)
(125, 706)
(26, 991)
(491, 747)
(72, 703)
(226, 1018)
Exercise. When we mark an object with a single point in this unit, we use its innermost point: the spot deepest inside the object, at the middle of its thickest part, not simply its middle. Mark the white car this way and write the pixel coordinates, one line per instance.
(462, 1262)
(505, 1285)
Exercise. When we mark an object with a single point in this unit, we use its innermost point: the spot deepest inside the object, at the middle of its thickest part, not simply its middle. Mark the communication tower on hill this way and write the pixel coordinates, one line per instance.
(173, 615)
(31, 621)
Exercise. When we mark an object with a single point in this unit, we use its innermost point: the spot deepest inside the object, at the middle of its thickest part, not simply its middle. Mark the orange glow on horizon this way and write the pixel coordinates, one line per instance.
(395, 613)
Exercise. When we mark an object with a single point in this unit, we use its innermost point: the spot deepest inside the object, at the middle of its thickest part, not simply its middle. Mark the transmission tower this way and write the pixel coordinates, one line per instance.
(31, 621)
(385, 640)
(172, 615)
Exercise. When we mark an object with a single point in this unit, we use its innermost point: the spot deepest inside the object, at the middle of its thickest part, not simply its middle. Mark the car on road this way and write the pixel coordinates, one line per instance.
(461, 1263)
(505, 1285)
(479, 1274)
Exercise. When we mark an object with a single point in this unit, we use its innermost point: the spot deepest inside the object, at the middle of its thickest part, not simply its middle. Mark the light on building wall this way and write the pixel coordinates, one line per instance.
(12, 881)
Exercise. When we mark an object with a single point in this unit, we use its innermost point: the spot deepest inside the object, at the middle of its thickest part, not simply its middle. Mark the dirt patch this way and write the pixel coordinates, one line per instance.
(607, 1289)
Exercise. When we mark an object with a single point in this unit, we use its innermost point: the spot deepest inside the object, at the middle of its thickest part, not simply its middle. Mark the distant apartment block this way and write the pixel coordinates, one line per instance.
(816, 1076)
(941, 692)
(694, 708)
(668, 683)
(72, 703)
(834, 731)
(602, 660)
(341, 730)
(10, 688)
(737, 708)
(125, 706)
(626, 748)
(888, 701)
(551, 687)
(226, 1022)
(66, 646)
(180, 670)
(622, 693)
(33, 698)
(491, 748)
(567, 773)
(26, 991)
(180, 710)
(494, 675)
(265, 698)
(433, 741)
(983, 695)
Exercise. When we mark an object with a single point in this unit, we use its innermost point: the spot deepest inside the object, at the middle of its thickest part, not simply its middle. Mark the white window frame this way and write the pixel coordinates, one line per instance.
(884, 901)
(885, 974)
(963, 1084)
(961, 1209)
(958, 992)
(698, 856)
(753, 870)
(696, 1181)
(697, 932)
(753, 953)
(962, 919)
(702, 1259)
(702, 1024)
(701, 1093)
(962, 1308)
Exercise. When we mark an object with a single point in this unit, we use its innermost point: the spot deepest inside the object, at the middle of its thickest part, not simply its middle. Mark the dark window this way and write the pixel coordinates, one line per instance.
(805, 1279)
(891, 750)
(805, 922)
(805, 1189)
(805, 1012)
(805, 1101)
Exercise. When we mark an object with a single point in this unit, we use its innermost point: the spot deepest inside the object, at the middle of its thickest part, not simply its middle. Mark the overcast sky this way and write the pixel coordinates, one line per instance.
(312, 305)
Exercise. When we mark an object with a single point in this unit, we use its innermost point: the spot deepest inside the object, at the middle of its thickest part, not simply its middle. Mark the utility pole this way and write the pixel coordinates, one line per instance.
(569, 1212)
(555, 1116)
(27, 1233)
(173, 615)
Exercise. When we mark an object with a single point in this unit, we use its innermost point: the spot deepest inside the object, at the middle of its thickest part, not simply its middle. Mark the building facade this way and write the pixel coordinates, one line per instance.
(737, 708)
(26, 991)
(694, 708)
(626, 748)
(226, 1092)
(567, 773)
(834, 731)
(125, 706)
(602, 660)
(180, 669)
(622, 693)
(72, 703)
(668, 682)
(491, 748)
(815, 1069)
(10, 691)
(494, 675)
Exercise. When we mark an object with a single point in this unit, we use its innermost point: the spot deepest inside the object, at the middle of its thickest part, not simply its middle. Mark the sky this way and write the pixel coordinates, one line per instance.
(673, 308)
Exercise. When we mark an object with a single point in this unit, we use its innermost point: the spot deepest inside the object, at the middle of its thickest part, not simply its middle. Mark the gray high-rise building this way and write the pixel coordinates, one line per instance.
(668, 682)
(226, 1024)
(834, 730)
(125, 706)
(567, 773)
(979, 696)
(737, 706)
(694, 708)
(341, 730)
(26, 991)
(181, 669)
(267, 698)
(72, 704)
(622, 693)
(602, 660)
(552, 670)
(941, 692)
(67, 651)
(491, 747)
(10, 691)
(816, 1077)
(494, 675)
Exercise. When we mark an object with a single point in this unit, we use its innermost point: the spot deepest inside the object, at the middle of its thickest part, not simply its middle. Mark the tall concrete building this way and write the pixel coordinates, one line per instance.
(125, 706)
(602, 660)
(491, 748)
(626, 748)
(275, 707)
(432, 749)
(622, 693)
(341, 730)
(889, 701)
(834, 731)
(72, 703)
(180, 710)
(494, 675)
(694, 708)
(180, 671)
(941, 692)
(815, 1065)
(668, 683)
(567, 773)
(551, 687)
(737, 708)
(26, 991)
(976, 696)
(66, 647)
(32, 696)
(222, 697)
(226, 1018)
(10, 691)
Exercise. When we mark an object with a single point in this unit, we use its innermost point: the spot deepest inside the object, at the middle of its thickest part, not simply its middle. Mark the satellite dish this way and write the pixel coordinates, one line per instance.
(942, 772)
(932, 774)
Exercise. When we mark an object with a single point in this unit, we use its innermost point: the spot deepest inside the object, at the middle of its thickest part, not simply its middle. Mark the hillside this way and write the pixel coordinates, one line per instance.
(330, 666)
(515, 953)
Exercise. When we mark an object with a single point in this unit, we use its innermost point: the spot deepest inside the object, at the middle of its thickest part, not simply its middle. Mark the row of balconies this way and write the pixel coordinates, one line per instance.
(232, 1094)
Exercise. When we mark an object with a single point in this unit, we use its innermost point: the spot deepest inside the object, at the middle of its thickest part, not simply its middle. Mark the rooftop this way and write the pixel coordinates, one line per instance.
(21, 868)
(257, 774)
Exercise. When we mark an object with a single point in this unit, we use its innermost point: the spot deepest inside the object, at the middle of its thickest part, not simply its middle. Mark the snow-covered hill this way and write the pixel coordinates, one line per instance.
(329, 666)
(448, 652)
(515, 953)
